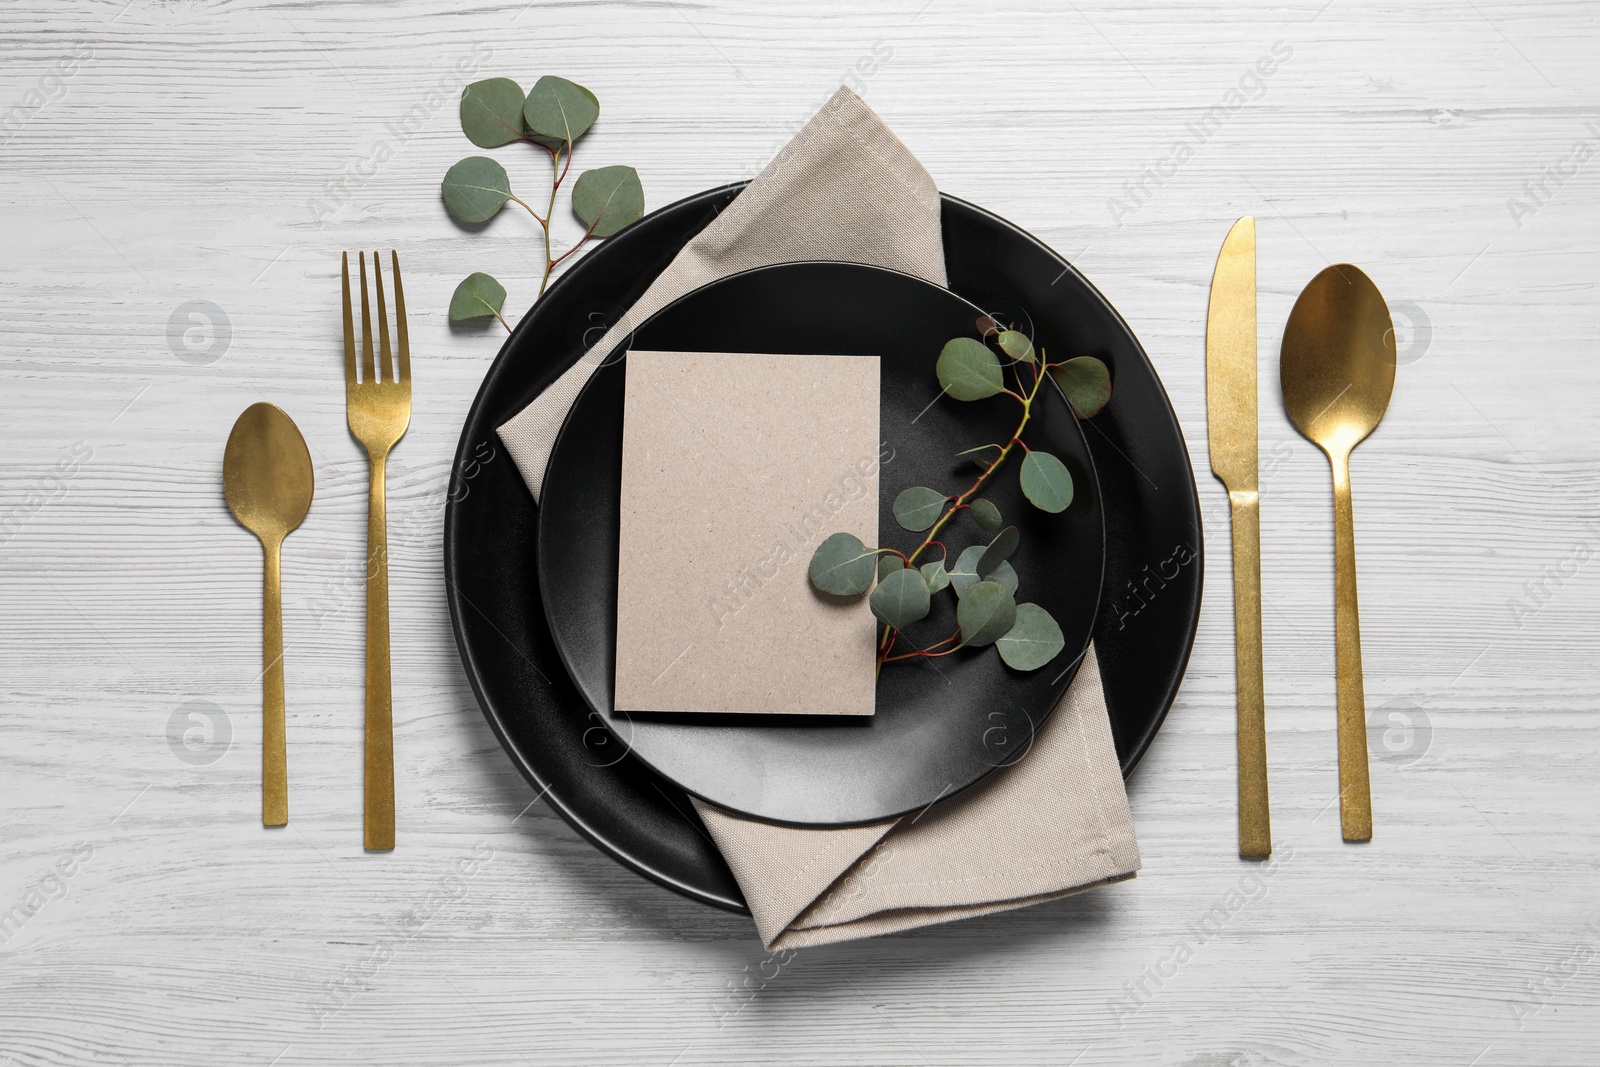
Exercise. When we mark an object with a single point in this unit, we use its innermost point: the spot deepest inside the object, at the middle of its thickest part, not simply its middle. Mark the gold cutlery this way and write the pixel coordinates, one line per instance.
(1337, 368)
(266, 476)
(1231, 430)
(378, 408)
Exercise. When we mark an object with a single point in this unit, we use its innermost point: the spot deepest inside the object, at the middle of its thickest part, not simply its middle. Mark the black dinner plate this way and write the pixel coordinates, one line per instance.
(939, 726)
(1149, 607)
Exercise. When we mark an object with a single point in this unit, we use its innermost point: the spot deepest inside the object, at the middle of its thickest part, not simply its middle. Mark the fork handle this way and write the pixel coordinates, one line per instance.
(378, 792)
(274, 760)
(1355, 791)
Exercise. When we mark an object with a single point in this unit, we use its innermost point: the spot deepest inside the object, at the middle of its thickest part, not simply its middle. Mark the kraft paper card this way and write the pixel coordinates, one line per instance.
(735, 467)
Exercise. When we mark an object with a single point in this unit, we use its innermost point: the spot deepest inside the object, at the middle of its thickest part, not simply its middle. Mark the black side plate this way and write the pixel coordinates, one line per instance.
(940, 725)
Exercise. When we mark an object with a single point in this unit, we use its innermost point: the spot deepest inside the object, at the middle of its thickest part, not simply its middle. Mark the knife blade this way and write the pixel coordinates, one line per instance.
(1232, 435)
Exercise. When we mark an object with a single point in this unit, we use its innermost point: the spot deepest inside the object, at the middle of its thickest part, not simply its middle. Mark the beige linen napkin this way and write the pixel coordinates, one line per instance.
(1053, 824)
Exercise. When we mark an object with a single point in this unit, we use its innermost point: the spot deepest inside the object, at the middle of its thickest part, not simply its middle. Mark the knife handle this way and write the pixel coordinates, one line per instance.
(1255, 824)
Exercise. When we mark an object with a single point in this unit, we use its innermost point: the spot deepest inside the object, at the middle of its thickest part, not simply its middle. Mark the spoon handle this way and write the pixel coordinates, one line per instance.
(1355, 792)
(274, 759)
(378, 790)
(1255, 821)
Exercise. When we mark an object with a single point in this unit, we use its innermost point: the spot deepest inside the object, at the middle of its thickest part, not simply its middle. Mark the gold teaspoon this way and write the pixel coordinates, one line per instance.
(266, 475)
(1337, 369)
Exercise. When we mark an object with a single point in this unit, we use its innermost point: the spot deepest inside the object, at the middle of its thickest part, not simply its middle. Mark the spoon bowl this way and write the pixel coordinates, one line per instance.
(1337, 371)
(266, 473)
(1337, 367)
(266, 476)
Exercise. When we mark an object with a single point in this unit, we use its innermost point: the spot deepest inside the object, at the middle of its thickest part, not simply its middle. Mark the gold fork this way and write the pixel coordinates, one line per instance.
(378, 408)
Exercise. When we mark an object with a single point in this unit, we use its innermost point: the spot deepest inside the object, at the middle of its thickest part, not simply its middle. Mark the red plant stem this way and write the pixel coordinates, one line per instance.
(928, 653)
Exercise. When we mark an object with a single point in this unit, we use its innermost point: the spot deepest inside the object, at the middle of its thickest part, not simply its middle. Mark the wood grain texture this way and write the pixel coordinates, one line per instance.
(225, 152)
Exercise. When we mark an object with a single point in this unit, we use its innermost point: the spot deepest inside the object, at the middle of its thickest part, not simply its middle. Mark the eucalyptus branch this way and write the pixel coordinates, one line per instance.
(552, 117)
(983, 580)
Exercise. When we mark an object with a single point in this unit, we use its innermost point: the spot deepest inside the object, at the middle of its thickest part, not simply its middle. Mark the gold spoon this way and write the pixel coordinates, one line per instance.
(1337, 369)
(266, 474)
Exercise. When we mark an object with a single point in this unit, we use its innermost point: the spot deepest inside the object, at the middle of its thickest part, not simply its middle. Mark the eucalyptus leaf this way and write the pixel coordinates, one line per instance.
(1016, 345)
(1033, 640)
(491, 112)
(607, 199)
(936, 576)
(969, 370)
(999, 551)
(988, 324)
(1086, 383)
(841, 565)
(918, 508)
(983, 455)
(901, 599)
(477, 297)
(476, 188)
(559, 110)
(888, 563)
(986, 515)
(985, 614)
(965, 574)
(1046, 481)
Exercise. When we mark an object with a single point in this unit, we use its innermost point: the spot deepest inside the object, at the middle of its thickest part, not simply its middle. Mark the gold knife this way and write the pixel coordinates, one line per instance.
(1231, 428)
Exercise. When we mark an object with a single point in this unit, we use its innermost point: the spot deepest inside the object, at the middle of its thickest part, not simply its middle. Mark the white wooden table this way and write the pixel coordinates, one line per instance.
(159, 154)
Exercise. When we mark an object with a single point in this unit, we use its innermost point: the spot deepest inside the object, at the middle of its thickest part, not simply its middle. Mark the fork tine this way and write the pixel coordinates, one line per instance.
(366, 324)
(349, 326)
(385, 357)
(400, 322)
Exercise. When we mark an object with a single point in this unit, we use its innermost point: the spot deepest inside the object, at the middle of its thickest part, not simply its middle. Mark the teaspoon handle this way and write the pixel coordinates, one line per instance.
(274, 759)
(1355, 792)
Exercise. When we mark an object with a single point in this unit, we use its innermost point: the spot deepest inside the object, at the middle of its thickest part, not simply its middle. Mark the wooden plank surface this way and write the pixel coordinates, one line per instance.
(157, 154)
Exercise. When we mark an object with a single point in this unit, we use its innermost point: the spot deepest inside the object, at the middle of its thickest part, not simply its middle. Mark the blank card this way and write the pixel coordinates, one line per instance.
(734, 468)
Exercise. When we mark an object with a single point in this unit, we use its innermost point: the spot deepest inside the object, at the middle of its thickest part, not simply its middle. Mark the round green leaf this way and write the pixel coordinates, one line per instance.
(999, 551)
(1033, 640)
(841, 565)
(477, 297)
(918, 508)
(1086, 383)
(476, 189)
(969, 370)
(900, 599)
(936, 576)
(985, 614)
(965, 574)
(491, 112)
(607, 199)
(888, 563)
(559, 110)
(986, 515)
(1046, 481)
(1016, 345)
